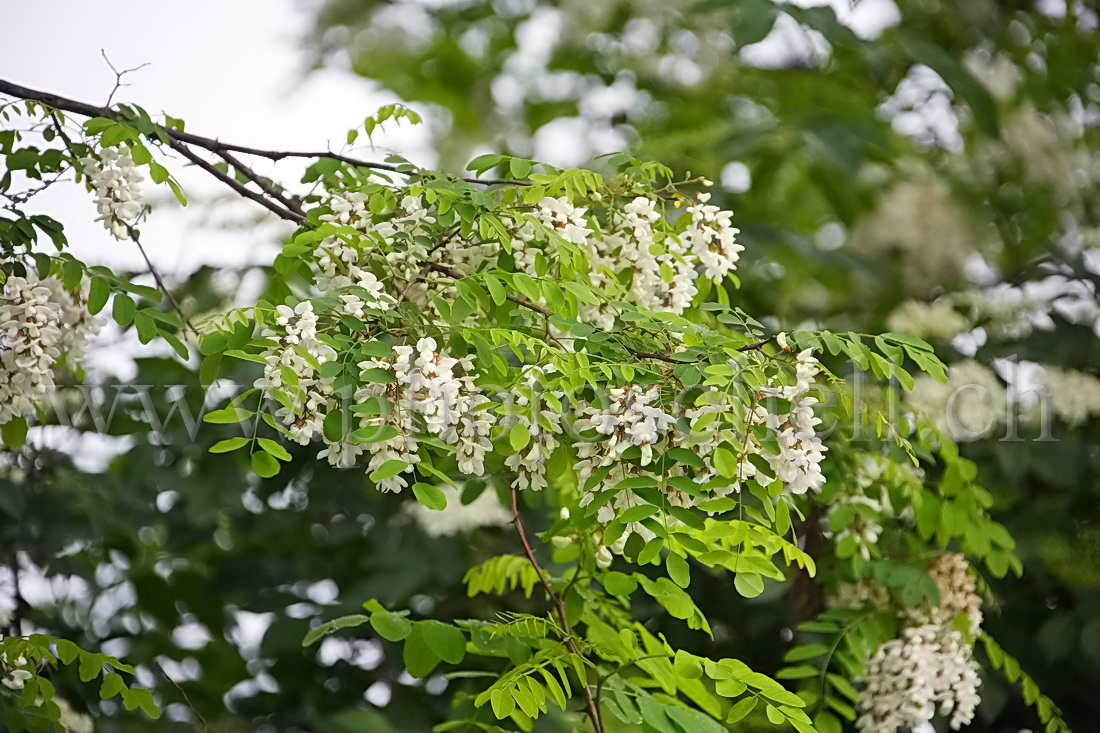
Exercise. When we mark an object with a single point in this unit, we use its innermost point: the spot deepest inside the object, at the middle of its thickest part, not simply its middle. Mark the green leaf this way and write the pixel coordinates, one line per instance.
(264, 464)
(373, 434)
(98, 292)
(391, 626)
(14, 432)
(418, 656)
(270, 446)
(430, 496)
(448, 642)
(112, 685)
(124, 310)
(227, 416)
(145, 326)
(678, 569)
(344, 622)
(388, 469)
(519, 167)
(230, 444)
(748, 584)
(806, 651)
(518, 437)
(619, 584)
(741, 709)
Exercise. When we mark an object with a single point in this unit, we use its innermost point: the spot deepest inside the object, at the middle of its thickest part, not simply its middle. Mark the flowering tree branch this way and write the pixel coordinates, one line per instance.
(215, 146)
(559, 606)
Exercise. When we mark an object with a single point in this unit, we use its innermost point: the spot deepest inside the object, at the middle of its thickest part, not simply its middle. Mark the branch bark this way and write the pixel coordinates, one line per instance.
(214, 146)
(559, 606)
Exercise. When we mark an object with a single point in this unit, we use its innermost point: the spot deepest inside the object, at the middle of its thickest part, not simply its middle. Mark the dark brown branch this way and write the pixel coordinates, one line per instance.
(186, 699)
(215, 146)
(559, 606)
(160, 281)
(234, 183)
(266, 184)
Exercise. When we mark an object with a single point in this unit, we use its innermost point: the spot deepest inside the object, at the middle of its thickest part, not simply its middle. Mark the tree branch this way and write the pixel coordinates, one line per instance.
(266, 184)
(234, 183)
(160, 281)
(559, 606)
(215, 146)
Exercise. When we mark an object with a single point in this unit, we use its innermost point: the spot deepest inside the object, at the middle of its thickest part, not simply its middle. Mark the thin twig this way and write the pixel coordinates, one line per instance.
(559, 606)
(160, 282)
(118, 75)
(266, 184)
(186, 699)
(217, 146)
(233, 183)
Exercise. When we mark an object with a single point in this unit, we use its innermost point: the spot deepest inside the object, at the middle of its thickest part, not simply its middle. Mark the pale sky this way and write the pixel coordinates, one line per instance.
(231, 69)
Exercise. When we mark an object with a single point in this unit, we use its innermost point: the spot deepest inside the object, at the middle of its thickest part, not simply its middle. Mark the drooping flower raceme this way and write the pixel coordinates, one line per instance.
(930, 664)
(908, 676)
(40, 321)
(710, 237)
(431, 392)
(798, 462)
(543, 425)
(117, 184)
(289, 366)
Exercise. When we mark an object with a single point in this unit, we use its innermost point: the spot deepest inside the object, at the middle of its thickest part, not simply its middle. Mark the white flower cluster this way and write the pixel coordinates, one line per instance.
(862, 529)
(117, 183)
(661, 282)
(410, 257)
(918, 224)
(937, 321)
(71, 720)
(1074, 397)
(14, 671)
(860, 594)
(564, 219)
(711, 238)
(340, 263)
(958, 595)
(544, 425)
(40, 321)
(704, 435)
(289, 366)
(631, 420)
(931, 663)
(907, 677)
(662, 266)
(969, 406)
(458, 518)
(798, 462)
(426, 389)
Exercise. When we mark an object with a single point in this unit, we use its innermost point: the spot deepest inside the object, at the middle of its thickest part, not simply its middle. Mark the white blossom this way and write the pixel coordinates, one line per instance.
(908, 676)
(117, 184)
(30, 343)
(798, 461)
(14, 671)
(566, 220)
(309, 394)
(710, 236)
(969, 406)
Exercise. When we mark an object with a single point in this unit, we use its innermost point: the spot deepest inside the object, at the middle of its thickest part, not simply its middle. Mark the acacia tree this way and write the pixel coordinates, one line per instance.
(932, 171)
(562, 349)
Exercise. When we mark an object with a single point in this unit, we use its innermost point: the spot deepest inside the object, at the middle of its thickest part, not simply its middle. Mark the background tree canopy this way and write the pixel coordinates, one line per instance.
(930, 166)
(925, 166)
